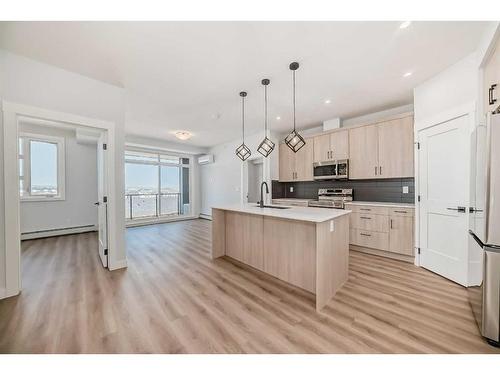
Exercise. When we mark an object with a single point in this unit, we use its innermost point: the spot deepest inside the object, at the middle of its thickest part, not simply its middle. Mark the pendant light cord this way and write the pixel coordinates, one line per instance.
(243, 117)
(293, 100)
(265, 110)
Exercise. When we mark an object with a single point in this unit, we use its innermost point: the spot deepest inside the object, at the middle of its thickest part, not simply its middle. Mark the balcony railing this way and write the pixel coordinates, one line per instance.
(152, 205)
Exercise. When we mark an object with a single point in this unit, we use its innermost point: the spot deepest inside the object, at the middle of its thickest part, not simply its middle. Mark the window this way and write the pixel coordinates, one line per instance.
(156, 185)
(41, 167)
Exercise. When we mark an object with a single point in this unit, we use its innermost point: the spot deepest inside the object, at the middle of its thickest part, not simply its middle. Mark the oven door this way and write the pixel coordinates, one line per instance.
(343, 169)
(325, 170)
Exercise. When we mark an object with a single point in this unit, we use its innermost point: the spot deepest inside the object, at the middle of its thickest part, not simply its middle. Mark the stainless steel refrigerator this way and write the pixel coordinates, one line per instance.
(484, 229)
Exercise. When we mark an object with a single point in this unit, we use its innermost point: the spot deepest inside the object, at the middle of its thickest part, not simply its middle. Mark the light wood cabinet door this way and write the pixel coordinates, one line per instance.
(304, 162)
(287, 163)
(321, 148)
(253, 240)
(234, 235)
(339, 145)
(363, 152)
(492, 77)
(395, 148)
(401, 235)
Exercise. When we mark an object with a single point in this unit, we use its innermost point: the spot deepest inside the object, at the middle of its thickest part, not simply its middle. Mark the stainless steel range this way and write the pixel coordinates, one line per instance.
(332, 198)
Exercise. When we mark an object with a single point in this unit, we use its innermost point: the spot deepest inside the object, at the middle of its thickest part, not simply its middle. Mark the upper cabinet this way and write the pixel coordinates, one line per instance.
(492, 80)
(296, 166)
(332, 146)
(363, 152)
(383, 150)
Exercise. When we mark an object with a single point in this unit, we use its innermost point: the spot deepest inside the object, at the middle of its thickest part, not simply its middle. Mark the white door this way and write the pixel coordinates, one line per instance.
(102, 205)
(444, 159)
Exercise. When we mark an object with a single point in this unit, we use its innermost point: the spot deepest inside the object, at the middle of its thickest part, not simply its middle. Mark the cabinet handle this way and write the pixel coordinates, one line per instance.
(366, 234)
(364, 217)
(375, 170)
(365, 209)
(491, 100)
(400, 212)
(391, 223)
(380, 170)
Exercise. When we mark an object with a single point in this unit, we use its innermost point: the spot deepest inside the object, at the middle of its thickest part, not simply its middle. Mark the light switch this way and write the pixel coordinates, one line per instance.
(291, 189)
(332, 226)
(405, 189)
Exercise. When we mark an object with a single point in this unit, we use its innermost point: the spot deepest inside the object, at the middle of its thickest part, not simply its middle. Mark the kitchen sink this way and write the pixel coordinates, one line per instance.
(278, 207)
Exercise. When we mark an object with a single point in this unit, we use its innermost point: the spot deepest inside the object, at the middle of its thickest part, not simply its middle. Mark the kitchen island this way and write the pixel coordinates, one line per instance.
(303, 246)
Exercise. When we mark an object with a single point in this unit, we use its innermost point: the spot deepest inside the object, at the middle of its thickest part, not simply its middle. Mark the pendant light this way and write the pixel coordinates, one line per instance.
(243, 152)
(266, 146)
(294, 140)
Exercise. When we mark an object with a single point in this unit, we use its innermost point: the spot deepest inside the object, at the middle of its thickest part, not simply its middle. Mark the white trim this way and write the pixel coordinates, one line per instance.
(150, 221)
(149, 148)
(205, 216)
(11, 114)
(2, 293)
(117, 264)
(444, 116)
(58, 232)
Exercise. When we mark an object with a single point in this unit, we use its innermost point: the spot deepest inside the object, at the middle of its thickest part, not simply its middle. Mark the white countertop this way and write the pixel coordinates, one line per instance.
(382, 204)
(311, 214)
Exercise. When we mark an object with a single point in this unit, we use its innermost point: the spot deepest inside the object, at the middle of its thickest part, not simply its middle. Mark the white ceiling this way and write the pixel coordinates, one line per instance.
(183, 75)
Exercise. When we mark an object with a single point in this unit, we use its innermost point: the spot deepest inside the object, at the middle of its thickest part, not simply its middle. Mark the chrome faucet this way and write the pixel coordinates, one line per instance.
(262, 194)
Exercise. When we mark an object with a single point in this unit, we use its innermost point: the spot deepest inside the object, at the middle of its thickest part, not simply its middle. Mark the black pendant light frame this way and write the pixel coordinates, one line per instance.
(294, 140)
(243, 152)
(266, 146)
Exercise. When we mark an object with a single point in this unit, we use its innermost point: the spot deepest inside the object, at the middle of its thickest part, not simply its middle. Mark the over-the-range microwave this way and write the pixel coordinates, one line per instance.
(331, 170)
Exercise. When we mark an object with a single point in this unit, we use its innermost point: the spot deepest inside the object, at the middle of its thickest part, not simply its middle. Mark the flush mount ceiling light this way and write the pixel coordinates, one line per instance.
(266, 146)
(407, 74)
(243, 152)
(183, 135)
(278, 118)
(327, 101)
(294, 140)
(405, 24)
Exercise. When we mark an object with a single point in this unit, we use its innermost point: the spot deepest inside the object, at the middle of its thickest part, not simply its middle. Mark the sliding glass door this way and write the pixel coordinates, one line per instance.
(156, 185)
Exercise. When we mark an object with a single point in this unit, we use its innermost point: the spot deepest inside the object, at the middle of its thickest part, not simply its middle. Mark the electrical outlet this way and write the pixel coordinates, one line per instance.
(291, 189)
(405, 189)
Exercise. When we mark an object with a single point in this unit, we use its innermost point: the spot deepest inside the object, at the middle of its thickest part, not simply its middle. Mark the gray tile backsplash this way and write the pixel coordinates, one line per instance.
(383, 190)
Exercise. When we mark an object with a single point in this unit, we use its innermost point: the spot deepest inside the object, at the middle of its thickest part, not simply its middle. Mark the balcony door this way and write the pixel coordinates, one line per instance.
(156, 185)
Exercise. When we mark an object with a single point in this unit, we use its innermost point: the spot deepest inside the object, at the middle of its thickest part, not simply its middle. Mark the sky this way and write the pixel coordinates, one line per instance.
(146, 176)
(43, 161)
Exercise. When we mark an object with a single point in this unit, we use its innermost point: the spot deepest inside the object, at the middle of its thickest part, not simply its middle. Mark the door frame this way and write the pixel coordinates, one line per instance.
(11, 113)
(467, 109)
(266, 176)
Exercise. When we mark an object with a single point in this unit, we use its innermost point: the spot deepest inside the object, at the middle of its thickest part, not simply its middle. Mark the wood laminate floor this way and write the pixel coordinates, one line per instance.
(174, 299)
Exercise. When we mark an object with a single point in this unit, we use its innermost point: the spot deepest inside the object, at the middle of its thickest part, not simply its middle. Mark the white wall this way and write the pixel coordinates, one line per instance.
(29, 82)
(222, 182)
(454, 87)
(77, 209)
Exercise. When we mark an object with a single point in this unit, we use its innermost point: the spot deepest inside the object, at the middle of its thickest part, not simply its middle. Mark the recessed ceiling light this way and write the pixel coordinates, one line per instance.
(405, 24)
(278, 118)
(407, 74)
(183, 135)
(328, 101)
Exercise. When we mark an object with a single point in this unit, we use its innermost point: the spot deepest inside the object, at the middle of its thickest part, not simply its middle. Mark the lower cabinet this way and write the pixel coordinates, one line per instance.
(385, 229)
(244, 238)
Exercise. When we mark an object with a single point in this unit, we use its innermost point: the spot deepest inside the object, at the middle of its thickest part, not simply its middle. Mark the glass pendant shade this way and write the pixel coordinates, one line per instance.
(294, 140)
(242, 151)
(266, 146)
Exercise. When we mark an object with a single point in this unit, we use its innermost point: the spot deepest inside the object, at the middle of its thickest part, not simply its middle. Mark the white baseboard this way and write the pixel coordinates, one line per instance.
(118, 265)
(205, 216)
(58, 232)
(6, 294)
(2, 293)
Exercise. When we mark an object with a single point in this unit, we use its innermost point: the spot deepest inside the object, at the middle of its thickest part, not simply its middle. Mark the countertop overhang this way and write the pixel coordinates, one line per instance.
(310, 214)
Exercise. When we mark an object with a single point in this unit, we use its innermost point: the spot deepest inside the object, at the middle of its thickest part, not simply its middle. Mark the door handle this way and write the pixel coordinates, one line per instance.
(491, 100)
(473, 209)
(459, 209)
(97, 204)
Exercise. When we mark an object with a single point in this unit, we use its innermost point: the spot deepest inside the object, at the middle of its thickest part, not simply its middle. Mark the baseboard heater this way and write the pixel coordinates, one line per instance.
(205, 216)
(57, 232)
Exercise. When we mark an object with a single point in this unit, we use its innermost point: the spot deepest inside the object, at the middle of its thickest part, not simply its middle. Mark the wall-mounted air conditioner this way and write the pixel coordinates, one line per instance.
(206, 159)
